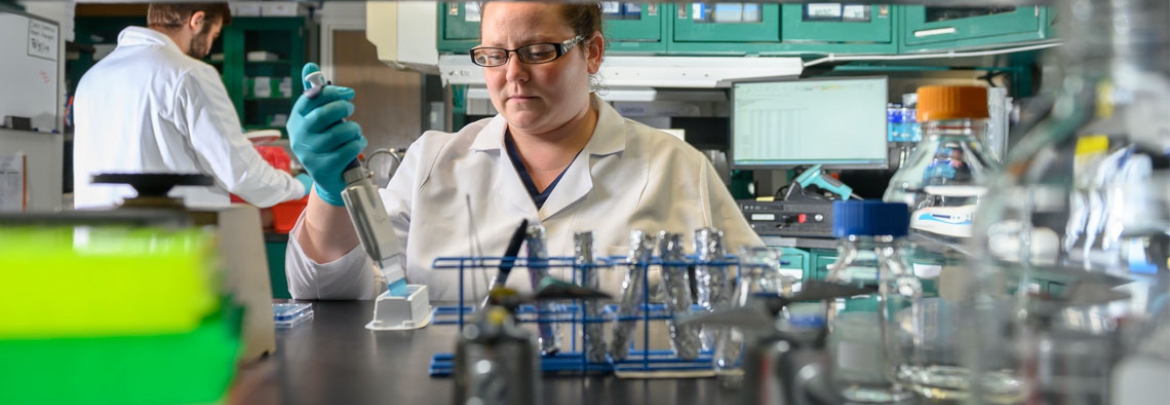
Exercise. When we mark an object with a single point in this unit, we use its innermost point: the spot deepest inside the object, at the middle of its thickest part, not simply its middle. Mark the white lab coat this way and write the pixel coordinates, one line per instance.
(149, 108)
(629, 176)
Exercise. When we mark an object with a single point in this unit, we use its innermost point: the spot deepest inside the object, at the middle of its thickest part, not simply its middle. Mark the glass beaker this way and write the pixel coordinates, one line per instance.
(759, 272)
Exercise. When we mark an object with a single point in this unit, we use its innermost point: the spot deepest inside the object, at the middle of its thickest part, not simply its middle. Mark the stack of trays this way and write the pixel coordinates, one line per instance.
(113, 315)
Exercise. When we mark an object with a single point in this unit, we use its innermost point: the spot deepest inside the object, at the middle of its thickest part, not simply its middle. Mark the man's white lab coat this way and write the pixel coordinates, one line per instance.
(629, 176)
(149, 108)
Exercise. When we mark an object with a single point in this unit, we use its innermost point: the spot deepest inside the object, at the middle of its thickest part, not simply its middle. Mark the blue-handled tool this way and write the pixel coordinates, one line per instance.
(509, 259)
(370, 219)
(815, 175)
(510, 253)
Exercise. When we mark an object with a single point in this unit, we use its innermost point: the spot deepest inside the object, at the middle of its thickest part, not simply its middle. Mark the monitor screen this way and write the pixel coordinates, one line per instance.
(839, 123)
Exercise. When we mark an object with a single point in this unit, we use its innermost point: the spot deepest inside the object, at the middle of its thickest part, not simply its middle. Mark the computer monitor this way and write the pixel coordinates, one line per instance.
(839, 123)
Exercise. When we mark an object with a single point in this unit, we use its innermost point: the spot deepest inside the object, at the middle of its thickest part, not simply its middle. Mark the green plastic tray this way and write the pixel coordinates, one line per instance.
(189, 368)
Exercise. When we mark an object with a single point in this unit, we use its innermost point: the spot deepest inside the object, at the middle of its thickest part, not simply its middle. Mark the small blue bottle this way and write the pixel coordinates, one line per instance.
(911, 131)
(894, 123)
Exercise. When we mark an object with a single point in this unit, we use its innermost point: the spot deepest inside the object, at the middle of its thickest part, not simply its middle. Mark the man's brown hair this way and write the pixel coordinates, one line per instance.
(172, 15)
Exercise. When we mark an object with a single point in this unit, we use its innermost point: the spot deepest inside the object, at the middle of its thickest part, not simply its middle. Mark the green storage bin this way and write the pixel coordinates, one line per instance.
(187, 368)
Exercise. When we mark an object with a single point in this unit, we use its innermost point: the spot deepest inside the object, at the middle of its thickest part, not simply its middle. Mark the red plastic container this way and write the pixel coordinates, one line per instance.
(285, 214)
(276, 157)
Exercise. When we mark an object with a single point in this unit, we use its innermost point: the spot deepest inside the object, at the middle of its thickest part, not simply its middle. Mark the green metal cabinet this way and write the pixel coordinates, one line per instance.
(931, 28)
(857, 29)
(800, 23)
(691, 37)
(287, 37)
(1049, 23)
(822, 259)
(636, 27)
(794, 259)
(458, 27)
(790, 29)
(693, 23)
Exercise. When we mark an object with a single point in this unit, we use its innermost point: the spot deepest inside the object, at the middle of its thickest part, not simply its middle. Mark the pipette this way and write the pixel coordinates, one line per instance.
(370, 219)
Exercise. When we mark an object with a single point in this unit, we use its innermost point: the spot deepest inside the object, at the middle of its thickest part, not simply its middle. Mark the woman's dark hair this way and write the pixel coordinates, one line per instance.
(583, 18)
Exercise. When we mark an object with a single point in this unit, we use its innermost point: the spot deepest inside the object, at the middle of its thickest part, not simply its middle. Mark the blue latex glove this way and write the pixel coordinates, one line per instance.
(307, 181)
(322, 142)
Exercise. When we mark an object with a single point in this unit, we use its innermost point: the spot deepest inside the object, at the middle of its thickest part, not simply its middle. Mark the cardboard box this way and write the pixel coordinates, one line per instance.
(261, 56)
(262, 87)
(245, 8)
(284, 89)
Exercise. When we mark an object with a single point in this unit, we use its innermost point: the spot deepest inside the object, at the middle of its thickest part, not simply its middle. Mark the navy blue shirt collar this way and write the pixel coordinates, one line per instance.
(538, 197)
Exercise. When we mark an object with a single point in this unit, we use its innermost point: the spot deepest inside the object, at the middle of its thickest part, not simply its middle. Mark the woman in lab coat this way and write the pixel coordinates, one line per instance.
(556, 154)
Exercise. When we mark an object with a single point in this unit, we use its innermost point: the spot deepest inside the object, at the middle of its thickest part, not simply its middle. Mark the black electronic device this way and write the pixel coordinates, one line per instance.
(18, 123)
(799, 219)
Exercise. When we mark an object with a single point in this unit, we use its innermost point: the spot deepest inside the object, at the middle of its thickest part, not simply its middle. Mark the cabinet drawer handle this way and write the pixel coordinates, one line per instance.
(936, 31)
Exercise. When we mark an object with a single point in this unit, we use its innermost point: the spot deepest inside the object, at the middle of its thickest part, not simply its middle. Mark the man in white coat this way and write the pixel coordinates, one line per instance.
(151, 106)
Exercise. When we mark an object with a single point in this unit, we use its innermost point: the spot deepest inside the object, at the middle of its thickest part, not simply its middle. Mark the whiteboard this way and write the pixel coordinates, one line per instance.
(29, 58)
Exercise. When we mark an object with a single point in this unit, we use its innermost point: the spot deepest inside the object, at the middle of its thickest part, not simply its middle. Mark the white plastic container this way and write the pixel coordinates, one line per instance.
(399, 313)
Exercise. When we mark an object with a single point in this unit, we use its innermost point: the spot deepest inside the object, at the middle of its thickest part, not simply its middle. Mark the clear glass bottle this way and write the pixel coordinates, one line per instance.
(1071, 241)
(944, 176)
(759, 272)
(865, 334)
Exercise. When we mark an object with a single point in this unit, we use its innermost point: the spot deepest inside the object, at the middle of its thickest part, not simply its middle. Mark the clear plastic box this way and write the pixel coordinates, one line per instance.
(290, 315)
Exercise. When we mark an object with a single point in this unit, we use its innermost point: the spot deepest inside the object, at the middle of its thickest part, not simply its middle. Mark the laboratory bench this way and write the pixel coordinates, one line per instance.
(334, 359)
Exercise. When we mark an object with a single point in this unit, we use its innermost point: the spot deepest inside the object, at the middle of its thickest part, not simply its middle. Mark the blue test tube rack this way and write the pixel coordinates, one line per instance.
(573, 360)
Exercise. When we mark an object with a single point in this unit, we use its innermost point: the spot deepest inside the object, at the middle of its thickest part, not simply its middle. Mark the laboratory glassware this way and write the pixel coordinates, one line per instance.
(1071, 244)
(944, 176)
(864, 329)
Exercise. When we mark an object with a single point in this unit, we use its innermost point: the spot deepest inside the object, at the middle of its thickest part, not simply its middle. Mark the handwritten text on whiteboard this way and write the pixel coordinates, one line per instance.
(42, 39)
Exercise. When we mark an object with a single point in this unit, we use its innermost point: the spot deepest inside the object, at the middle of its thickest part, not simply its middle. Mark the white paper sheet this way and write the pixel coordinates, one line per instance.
(13, 193)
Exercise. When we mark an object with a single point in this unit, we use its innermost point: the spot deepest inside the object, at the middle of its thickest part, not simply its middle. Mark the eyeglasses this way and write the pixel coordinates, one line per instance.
(532, 54)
